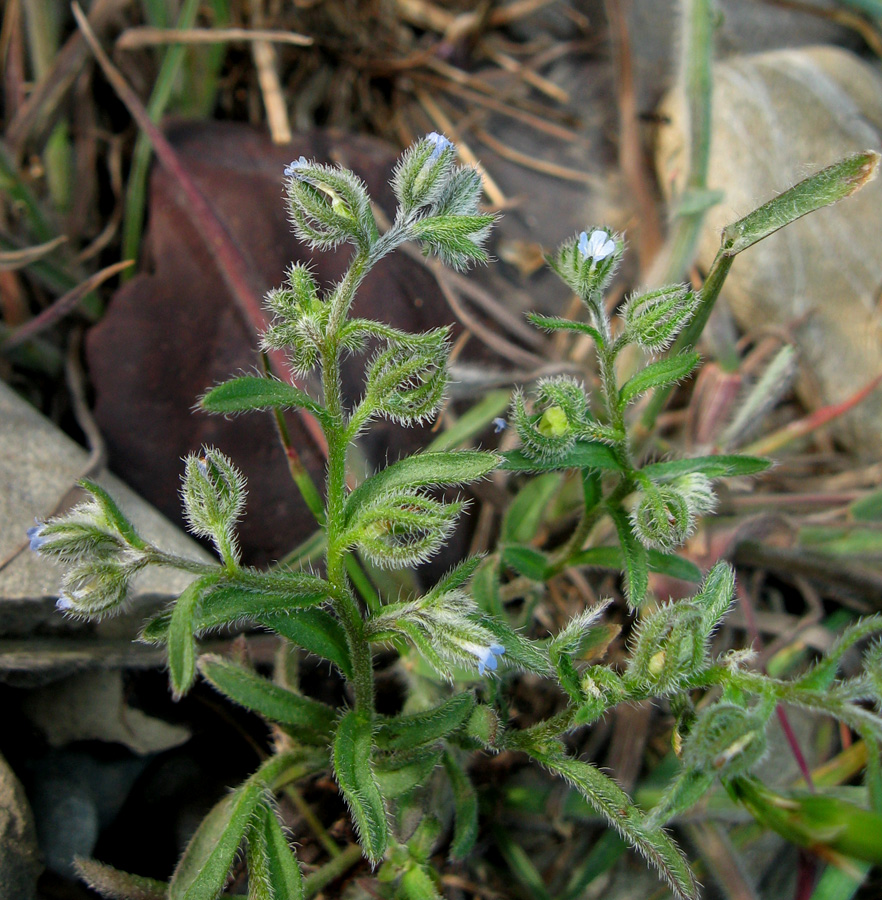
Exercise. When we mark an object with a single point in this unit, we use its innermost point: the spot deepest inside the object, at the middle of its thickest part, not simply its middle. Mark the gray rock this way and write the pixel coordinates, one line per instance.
(39, 466)
(777, 117)
(19, 857)
(91, 706)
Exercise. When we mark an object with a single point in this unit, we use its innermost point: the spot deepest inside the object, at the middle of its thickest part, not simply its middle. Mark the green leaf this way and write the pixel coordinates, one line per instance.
(663, 563)
(610, 801)
(203, 869)
(316, 631)
(823, 188)
(553, 323)
(527, 561)
(583, 455)
(113, 513)
(181, 636)
(441, 469)
(352, 767)
(658, 374)
(399, 774)
(526, 511)
(417, 729)
(867, 509)
(230, 603)
(312, 718)
(465, 805)
(271, 857)
(722, 466)
(112, 883)
(252, 392)
(636, 561)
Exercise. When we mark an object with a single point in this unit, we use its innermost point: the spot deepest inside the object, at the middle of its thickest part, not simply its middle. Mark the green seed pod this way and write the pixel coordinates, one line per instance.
(654, 319)
(603, 689)
(725, 740)
(483, 726)
(669, 647)
(662, 518)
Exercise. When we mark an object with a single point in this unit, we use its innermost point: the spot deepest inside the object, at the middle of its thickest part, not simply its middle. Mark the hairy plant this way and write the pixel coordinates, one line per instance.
(386, 766)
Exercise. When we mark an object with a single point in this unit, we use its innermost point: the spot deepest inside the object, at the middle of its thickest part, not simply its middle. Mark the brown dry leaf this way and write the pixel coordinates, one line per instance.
(171, 333)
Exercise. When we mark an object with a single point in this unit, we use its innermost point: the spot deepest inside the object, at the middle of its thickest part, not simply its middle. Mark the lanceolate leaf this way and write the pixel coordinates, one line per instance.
(722, 466)
(584, 455)
(416, 730)
(117, 885)
(312, 718)
(113, 512)
(181, 636)
(423, 470)
(553, 323)
(228, 603)
(352, 767)
(526, 561)
(616, 807)
(664, 372)
(316, 631)
(465, 802)
(271, 857)
(636, 562)
(664, 563)
(526, 511)
(202, 871)
(399, 774)
(251, 392)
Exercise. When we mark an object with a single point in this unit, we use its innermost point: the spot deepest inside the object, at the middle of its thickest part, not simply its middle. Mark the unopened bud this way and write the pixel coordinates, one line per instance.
(654, 319)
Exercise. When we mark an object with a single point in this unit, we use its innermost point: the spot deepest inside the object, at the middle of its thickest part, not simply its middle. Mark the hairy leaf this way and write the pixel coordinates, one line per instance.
(722, 466)
(312, 718)
(658, 374)
(252, 392)
(583, 455)
(203, 869)
(417, 729)
(352, 767)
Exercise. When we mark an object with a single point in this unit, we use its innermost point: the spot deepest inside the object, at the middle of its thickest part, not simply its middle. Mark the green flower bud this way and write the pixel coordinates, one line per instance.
(662, 518)
(725, 740)
(213, 492)
(653, 320)
(423, 172)
(95, 588)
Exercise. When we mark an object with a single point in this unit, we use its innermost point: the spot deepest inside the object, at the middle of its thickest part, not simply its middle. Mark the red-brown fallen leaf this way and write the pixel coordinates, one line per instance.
(173, 332)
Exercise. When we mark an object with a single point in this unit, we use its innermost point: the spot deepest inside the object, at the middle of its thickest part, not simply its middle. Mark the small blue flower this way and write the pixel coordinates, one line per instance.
(597, 247)
(439, 144)
(499, 424)
(292, 168)
(36, 537)
(64, 603)
(486, 656)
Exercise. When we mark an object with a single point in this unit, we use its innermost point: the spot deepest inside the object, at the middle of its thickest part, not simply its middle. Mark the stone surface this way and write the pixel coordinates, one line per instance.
(90, 706)
(39, 466)
(777, 117)
(19, 857)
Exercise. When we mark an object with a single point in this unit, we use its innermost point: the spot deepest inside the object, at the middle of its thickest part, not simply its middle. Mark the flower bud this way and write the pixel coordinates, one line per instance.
(654, 319)
(725, 740)
(603, 689)
(423, 172)
(213, 492)
(561, 416)
(97, 587)
(662, 518)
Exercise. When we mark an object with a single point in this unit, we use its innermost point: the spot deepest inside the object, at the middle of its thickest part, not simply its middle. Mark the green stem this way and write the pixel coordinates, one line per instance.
(332, 870)
(345, 603)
